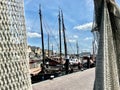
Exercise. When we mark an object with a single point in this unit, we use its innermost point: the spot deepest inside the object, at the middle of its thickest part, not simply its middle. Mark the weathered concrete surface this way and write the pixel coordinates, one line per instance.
(77, 81)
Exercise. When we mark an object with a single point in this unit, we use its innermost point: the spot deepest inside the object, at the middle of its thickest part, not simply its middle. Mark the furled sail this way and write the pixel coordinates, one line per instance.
(107, 19)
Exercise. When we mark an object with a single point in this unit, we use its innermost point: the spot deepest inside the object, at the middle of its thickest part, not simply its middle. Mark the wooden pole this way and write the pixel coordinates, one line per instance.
(42, 36)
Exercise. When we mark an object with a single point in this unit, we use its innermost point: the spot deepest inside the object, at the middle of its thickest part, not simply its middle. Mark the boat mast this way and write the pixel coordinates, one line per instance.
(48, 45)
(77, 49)
(52, 50)
(42, 37)
(64, 36)
(65, 46)
(59, 21)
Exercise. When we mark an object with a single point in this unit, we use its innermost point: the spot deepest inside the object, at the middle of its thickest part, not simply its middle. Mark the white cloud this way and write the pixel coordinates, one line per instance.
(75, 36)
(86, 26)
(88, 38)
(33, 35)
(86, 50)
(71, 40)
(52, 45)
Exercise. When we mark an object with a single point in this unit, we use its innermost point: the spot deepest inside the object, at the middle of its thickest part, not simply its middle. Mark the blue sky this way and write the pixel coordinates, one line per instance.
(78, 17)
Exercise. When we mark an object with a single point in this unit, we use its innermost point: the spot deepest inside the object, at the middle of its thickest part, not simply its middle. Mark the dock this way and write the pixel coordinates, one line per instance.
(82, 80)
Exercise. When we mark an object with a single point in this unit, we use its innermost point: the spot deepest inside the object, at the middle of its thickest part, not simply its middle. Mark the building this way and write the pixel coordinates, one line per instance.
(82, 54)
(34, 52)
(50, 52)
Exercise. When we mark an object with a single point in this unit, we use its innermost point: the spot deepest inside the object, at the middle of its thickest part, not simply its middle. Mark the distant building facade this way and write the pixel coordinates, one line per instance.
(82, 54)
(34, 51)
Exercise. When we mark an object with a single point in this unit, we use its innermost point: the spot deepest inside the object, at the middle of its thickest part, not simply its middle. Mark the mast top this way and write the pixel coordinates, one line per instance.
(40, 9)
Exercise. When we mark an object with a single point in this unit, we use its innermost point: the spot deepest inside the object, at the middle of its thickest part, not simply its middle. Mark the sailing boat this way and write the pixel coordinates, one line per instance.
(74, 59)
(61, 28)
(55, 65)
(60, 60)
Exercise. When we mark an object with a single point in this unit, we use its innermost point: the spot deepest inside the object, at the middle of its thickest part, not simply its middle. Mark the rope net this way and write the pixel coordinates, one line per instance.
(14, 70)
(107, 19)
